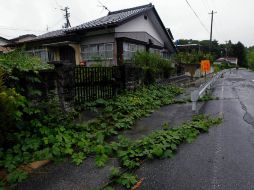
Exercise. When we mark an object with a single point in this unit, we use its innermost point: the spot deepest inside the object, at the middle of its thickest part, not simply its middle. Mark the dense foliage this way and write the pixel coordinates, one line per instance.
(203, 46)
(154, 66)
(159, 144)
(33, 130)
(163, 143)
(45, 133)
(17, 112)
(191, 58)
(18, 59)
(250, 57)
(217, 50)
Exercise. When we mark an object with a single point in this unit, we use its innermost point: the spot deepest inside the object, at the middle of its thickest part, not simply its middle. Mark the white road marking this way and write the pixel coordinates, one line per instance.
(218, 148)
(222, 96)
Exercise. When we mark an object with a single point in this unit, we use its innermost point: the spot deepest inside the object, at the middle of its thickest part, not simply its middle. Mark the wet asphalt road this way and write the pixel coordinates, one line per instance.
(223, 159)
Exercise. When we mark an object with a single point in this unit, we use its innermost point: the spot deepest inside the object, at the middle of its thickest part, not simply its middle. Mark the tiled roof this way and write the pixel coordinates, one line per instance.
(23, 36)
(112, 19)
(52, 34)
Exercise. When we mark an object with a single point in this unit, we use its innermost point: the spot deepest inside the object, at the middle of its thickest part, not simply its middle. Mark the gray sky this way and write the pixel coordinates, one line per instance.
(233, 20)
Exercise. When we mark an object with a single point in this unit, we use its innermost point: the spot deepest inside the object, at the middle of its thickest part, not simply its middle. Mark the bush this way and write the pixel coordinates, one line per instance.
(11, 104)
(20, 60)
(191, 58)
(154, 66)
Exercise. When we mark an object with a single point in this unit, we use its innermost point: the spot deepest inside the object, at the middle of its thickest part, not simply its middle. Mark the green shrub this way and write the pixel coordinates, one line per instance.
(154, 66)
(20, 60)
(193, 57)
(11, 105)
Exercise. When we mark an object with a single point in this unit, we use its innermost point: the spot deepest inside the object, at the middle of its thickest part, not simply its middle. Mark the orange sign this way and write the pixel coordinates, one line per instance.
(205, 65)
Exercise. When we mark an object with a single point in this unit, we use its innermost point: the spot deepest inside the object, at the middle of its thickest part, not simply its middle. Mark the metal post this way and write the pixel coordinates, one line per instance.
(194, 99)
(194, 106)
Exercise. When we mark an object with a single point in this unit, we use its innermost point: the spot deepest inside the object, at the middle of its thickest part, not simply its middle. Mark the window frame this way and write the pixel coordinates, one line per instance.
(90, 52)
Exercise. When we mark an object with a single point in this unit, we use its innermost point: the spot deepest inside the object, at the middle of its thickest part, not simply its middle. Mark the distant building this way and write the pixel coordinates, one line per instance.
(23, 38)
(188, 47)
(111, 40)
(3, 42)
(229, 60)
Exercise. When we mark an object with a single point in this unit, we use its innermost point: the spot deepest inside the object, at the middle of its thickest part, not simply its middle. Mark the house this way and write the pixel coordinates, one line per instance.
(189, 47)
(109, 40)
(229, 60)
(3, 42)
(23, 38)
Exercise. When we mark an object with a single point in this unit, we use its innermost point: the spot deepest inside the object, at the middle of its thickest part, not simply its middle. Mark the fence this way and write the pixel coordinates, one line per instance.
(78, 84)
(202, 89)
(92, 83)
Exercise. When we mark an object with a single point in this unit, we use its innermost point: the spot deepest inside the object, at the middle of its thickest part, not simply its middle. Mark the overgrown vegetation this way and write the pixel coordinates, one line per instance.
(207, 97)
(38, 130)
(250, 57)
(163, 143)
(217, 50)
(21, 61)
(35, 129)
(153, 65)
(191, 58)
(159, 144)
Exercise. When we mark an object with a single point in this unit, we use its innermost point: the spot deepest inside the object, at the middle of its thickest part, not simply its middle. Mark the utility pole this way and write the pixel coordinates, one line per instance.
(66, 16)
(211, 31)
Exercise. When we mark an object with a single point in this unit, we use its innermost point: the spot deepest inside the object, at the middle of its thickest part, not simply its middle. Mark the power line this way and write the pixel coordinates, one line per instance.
(199, 19)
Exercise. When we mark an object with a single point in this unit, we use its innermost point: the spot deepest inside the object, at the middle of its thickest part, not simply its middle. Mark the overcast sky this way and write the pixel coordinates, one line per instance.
(233, 21)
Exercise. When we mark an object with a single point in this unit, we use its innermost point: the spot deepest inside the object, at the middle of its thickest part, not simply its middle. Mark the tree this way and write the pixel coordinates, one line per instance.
(239, 51)
(250, 57)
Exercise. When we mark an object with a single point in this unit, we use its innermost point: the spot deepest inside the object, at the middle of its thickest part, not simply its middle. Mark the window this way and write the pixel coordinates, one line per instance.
(41, 53)
(130, 49)
(156, 51)
(95, 51)
(166, 55)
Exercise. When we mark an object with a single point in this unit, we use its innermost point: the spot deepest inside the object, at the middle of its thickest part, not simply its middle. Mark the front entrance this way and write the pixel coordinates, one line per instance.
(67, 54)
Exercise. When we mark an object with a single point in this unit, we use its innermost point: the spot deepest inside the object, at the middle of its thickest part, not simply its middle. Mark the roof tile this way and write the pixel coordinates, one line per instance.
(113, 18)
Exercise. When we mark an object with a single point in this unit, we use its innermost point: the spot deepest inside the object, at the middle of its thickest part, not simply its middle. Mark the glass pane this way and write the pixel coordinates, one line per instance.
(109, 47)
(109, 54)
(85, 48)
(93, 48)
(141, 48)
(125, 46)
(102, 54)
(101, 47)
(133, 47)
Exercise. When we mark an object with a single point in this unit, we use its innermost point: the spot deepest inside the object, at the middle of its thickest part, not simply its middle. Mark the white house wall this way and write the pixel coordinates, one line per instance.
(141, 36)
(139, 24)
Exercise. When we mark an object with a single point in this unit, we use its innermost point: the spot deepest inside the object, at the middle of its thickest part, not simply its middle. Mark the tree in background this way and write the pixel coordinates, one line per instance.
(218, 50)
(250, 57)
(238, 50)
(202, 46)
